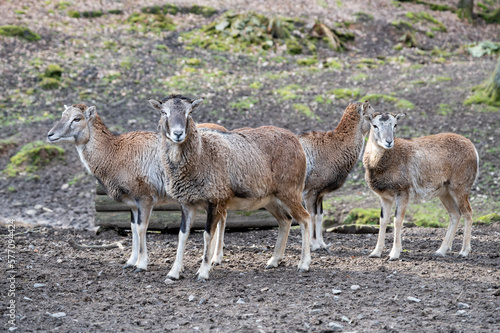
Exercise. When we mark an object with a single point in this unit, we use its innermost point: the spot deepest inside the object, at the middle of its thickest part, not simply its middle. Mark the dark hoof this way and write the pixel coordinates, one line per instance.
(127, 266)
(138, 270)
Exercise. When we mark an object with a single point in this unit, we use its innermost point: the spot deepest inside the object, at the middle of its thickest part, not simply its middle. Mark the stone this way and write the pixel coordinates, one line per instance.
(336, 327)
(413, 299)
(191, 298)
(39, 285)
(463, 305)
(355, 287)
(336, 291)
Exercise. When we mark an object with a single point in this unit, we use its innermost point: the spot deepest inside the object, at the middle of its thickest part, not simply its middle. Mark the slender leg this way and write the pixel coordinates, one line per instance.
(214, 213)
(466, 211)
(384, 220)
(311, 206)
(401, 203)
(452, 208)
(144, 213)
(319, 226)
(188, 214)
(135, 242)
(218, 255)
(284, 223)
(305, 256)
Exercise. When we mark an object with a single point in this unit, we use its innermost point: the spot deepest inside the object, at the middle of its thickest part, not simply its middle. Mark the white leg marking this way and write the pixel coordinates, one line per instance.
(386, 207)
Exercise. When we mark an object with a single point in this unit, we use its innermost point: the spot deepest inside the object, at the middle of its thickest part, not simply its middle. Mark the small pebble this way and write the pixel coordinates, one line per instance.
(463, 305)
(191, 298)
(336, 291)
(38, 207)
(355, 287)
(169, 281)
(344, 318)
(39, 285)
(64, 187)
(413, 299)
(461, 313)
(31, 212)
(240, 301)
(336, 327)
(57, 315)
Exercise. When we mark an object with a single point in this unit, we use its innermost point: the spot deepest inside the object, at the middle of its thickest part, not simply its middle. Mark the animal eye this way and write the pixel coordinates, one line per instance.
(77, 120)
(375, 126)
(395, 126)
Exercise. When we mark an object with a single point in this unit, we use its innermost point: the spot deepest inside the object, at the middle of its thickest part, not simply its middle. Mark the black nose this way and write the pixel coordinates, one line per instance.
(389, 142)
(178, 133)
(50, 134)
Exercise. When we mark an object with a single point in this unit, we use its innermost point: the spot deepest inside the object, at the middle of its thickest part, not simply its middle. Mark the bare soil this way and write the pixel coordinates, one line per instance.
(97, 295)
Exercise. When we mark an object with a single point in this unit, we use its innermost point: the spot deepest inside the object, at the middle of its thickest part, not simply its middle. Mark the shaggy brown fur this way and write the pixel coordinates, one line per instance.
(128, 165)
(330, 157)
(443, 165)
(240, 170)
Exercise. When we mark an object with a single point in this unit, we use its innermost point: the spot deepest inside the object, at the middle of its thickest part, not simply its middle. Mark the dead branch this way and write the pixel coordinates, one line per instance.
(77, 246)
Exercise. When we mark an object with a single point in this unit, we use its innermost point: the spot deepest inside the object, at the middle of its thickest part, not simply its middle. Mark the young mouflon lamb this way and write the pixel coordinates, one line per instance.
(128, 166)
(330, 157)
(398, 170)
(218, 171)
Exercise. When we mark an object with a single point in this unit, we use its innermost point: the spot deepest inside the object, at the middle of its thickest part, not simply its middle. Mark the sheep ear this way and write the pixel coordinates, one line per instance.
(400, 116)
(155, 104)
(89, 113)
(196, 103)
(368, 116)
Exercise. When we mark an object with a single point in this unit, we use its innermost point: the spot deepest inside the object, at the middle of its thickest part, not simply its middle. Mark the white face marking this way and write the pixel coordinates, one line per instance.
(383, 127)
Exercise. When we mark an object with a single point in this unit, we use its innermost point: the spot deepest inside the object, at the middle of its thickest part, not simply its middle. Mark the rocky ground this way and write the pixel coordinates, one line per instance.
(107, 64)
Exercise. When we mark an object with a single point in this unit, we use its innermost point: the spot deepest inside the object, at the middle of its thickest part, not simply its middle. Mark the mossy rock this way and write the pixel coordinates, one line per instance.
(18, 31)
(488, 219)
(49, 83)
(53, 70)
(150, 22)
(32, 157)
(363, 216)
(251, 32)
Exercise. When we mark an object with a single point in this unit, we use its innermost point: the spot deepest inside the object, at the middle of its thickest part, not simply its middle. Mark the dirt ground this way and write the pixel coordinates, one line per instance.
(107, 65)
(415, 294)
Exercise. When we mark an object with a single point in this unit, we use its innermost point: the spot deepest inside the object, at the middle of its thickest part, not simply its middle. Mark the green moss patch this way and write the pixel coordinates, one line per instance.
(345, 93)
(400, 103)
(49, 83)
(92, 13)
(142, 22)
(305, 110)
(32, 157)
(251, 32)
(174, 9)
(244, 103)
(425, 17)
(54, 71)
(488, 219)
(18, 31)
(363, 216)
(288, 92)
(483, 48)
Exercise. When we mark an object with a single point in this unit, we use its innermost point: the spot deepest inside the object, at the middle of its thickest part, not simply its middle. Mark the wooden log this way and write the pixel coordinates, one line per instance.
(164, 220)
(103, 203)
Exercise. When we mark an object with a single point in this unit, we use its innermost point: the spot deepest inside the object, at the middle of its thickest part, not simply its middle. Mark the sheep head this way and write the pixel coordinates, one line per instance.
(175, 111)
